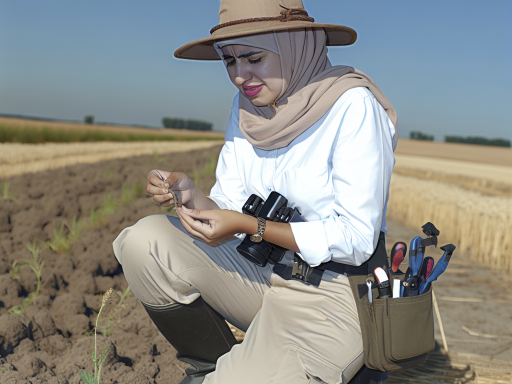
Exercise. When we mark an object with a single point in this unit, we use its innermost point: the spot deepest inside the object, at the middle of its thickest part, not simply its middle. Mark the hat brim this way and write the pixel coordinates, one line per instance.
(203, 49)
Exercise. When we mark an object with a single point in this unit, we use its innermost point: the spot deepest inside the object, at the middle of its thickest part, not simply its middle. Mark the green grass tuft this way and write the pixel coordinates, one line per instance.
(36, 265)
(99, 217)
(65, 236)
(6, 195)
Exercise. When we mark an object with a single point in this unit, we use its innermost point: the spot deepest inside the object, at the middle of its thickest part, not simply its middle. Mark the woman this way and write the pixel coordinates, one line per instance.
(321, 136)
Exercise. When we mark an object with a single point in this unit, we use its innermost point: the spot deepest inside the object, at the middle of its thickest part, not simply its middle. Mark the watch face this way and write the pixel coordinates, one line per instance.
(256, 238)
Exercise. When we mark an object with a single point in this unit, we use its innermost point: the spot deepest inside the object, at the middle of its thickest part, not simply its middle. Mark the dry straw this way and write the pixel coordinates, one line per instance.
(17, 159)
(478, 224)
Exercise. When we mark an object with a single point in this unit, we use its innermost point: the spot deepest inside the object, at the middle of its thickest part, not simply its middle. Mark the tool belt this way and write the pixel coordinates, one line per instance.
(397, 332)
(313, 275)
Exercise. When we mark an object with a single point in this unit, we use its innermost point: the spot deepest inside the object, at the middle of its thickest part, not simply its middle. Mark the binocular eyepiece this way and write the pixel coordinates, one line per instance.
(276, 209)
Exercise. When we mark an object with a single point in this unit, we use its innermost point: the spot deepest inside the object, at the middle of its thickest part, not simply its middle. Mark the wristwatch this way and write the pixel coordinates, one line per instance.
(258, 236)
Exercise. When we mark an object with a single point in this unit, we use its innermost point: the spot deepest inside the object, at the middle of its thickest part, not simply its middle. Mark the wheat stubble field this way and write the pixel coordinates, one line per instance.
(67, 202)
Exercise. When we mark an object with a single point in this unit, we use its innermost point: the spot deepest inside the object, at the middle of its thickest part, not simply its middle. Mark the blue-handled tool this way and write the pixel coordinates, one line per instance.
(412, 279)
(440, 267)
(416, 251)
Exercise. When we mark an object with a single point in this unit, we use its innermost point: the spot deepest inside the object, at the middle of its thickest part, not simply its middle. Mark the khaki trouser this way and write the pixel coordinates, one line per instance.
(296, 333)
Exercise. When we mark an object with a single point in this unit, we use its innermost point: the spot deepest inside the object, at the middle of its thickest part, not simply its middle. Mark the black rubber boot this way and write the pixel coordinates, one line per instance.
(369, 376)
(198, 333)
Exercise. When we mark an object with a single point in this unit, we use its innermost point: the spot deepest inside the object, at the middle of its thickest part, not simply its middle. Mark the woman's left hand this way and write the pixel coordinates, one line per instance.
(216, 225)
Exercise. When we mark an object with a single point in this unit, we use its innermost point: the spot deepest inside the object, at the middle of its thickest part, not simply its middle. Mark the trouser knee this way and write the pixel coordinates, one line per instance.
(137, 250)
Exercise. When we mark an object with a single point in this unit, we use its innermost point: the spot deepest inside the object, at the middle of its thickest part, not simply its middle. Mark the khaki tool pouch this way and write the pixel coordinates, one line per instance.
(397, 333)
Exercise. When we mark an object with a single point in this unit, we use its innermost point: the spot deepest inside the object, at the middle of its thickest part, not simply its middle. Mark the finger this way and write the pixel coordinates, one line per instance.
(155, 180)
(202, 214)
(165, 203)
(154, 190)
(195, 224)
(162, 198)
(185, 222)
(172, 179)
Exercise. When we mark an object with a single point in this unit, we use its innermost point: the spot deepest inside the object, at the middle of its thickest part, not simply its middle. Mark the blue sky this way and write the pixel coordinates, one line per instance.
(445, 65)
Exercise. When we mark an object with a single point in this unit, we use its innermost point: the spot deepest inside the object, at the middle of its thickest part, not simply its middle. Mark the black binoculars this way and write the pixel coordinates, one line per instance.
(275, 208)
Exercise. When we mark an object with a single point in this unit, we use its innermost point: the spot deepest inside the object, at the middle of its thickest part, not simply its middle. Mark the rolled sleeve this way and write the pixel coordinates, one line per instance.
(312, 241)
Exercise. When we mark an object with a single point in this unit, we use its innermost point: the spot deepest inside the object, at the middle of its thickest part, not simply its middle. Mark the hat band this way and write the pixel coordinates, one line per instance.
(288, 14)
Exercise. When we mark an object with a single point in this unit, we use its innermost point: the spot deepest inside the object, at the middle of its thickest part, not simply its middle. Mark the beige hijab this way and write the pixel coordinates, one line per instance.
(311, 86)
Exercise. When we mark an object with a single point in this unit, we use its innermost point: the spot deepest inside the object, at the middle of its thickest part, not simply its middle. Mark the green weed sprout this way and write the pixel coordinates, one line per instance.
(111, 204)
(86, 376)
(37, 267)
(157, 158)
(6, 195)
(62, 239)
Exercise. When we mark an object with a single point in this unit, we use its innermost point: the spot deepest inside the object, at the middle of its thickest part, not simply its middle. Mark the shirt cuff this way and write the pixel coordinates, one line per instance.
(312, 242)
(223, 204)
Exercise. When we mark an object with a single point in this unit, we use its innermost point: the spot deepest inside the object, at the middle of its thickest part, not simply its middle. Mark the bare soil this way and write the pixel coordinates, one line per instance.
(51, 341)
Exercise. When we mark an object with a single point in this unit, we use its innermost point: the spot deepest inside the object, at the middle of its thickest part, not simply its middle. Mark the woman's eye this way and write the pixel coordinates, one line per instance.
(230, 63)
(254, 61)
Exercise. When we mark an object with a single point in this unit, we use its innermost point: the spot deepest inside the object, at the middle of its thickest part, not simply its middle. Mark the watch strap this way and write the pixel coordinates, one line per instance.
(262, 224)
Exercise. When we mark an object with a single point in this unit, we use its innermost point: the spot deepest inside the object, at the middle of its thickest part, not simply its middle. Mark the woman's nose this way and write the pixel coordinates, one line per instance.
(242, 74)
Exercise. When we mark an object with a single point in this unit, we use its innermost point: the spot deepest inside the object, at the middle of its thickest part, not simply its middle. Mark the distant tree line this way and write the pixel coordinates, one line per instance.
(89, 119)
(477, 140)
(417, 135)
(196, 125)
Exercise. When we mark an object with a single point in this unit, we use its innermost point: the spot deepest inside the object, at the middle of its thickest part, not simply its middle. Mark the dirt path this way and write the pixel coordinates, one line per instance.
(50, 342)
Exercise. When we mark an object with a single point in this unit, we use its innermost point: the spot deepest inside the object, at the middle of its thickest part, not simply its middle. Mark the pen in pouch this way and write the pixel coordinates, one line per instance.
(397, 285)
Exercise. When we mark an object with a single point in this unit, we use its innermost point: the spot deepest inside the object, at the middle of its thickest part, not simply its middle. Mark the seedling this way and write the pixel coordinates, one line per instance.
(37, 267)
(86, 376)
(157, 158)
(6, 195)
(111, 204)
(63, 238)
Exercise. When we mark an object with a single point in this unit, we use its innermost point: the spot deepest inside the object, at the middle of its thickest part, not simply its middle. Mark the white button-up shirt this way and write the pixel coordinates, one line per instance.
(336, 173)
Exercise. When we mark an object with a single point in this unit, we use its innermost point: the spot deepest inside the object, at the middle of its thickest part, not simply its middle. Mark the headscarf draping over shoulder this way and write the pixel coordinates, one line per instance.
(311, 86)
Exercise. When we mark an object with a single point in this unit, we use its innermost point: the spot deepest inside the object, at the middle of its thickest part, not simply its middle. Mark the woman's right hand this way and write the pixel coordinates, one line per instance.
(159, 182)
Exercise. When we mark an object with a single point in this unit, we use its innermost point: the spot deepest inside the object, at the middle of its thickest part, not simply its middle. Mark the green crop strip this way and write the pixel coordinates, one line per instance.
(30, 135)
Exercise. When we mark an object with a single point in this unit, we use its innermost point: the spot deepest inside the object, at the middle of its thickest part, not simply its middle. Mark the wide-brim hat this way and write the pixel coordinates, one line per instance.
(250, 17)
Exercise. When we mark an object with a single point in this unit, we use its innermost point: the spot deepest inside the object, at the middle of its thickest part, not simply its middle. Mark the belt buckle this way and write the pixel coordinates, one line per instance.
(301, 270)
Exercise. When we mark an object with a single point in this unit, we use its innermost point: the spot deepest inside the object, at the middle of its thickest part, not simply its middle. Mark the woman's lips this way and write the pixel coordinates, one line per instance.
(252, 91)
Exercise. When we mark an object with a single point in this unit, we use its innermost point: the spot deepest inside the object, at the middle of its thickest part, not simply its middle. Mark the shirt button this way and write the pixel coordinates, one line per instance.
(269, 188)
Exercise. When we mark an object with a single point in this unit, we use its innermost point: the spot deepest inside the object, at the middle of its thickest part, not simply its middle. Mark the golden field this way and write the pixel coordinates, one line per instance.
(467, 196)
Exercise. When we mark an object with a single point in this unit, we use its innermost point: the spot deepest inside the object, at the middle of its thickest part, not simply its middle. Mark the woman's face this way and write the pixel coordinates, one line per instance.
(255, 72)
